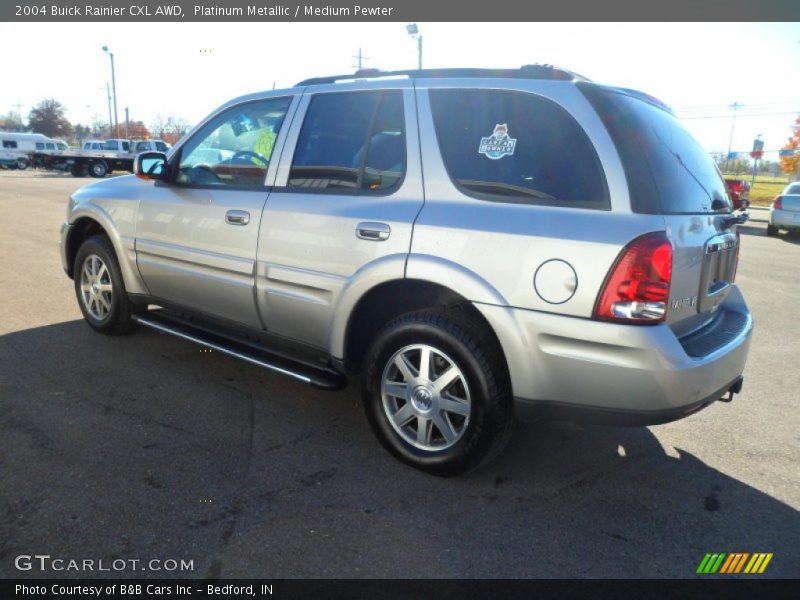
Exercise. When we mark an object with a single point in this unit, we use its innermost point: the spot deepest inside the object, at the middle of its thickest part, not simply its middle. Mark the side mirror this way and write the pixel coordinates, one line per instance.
(150, 165)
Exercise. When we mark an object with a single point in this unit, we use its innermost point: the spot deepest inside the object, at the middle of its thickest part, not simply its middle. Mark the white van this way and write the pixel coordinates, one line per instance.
(14, 147)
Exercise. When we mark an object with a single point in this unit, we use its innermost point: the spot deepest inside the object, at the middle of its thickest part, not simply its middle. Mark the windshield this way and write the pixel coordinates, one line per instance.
(668, 172)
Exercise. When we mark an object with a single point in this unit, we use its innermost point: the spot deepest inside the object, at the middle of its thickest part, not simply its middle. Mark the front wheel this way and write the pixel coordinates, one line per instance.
(436, 392)
(100, 288)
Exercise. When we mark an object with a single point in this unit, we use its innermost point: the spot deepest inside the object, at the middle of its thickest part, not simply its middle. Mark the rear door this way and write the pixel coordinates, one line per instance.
(670, 174)
(341, 212)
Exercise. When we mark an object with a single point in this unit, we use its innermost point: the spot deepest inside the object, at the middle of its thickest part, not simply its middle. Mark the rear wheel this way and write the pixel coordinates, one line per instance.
(22, 164)
(98, 169)
(100, 288)
(772, 231)
(436, 392)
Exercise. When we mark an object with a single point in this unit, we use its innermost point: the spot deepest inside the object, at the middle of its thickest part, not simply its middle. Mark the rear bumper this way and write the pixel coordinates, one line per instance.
(589, 370)
(785, 219)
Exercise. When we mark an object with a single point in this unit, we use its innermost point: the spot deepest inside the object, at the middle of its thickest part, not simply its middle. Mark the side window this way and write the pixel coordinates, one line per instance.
(50, 146)
(161, 147)
(111, 145)
(40, 145)
(62, 146)
(9, 144)
(141, 147)
(516, 147)
(126, 147)
(235, 147)
(352, 141)
(97, 146)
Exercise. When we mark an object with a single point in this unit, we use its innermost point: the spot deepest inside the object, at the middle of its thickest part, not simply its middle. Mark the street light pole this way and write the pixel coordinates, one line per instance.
(110, 119)
(114, 87)
(413, 31)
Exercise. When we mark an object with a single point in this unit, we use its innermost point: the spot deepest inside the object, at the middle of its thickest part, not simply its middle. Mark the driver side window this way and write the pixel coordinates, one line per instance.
(235, 147)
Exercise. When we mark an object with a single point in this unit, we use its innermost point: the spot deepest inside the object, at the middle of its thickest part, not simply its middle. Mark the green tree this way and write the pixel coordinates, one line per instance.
(48, 118)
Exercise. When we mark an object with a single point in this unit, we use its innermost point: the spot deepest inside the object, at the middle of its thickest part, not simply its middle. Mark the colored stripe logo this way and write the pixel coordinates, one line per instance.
(734, 563)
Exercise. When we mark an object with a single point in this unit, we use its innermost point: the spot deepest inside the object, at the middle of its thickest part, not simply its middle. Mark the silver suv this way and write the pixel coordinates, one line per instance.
(472, 242)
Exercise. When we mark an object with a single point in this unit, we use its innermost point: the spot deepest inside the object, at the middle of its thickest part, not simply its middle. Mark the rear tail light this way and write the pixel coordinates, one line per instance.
(778, 204)
(636, 289)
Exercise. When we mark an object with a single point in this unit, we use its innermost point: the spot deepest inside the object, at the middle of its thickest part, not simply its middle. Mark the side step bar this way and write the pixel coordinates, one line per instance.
(322, 378)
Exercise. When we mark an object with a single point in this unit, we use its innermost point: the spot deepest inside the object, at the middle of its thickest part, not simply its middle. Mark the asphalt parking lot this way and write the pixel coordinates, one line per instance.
(144, 447)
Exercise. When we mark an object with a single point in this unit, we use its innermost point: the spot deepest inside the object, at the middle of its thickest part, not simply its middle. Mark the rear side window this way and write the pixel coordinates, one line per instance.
(50, 146)
(668, 172)
(40, 145)
(110, 145)
(9, 144)
(516, 147)
(351, 141)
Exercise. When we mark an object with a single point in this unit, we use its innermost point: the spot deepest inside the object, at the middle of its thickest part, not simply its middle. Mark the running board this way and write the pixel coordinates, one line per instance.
(326, 379)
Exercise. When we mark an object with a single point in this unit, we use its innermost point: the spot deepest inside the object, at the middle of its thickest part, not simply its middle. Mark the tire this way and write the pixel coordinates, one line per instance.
(98, 169)
(476, 406)
(22, 164)
(107, 311)
(772, 231)
(79, 170)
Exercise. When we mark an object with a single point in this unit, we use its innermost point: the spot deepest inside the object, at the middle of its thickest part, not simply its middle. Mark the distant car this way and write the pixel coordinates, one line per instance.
(785, 210)
(738, 190)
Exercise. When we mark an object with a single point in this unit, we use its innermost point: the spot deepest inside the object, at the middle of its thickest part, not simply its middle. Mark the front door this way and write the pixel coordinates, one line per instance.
(197, 233)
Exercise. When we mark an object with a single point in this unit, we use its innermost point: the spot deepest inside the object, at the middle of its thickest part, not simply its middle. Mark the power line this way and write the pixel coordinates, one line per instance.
(743, 116)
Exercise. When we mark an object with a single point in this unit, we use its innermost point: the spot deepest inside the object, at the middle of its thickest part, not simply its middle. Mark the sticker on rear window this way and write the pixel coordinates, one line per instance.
(499, 144)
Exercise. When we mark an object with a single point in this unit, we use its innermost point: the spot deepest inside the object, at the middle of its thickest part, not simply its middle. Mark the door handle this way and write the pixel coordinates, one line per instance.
(237, 217)
(374, 232)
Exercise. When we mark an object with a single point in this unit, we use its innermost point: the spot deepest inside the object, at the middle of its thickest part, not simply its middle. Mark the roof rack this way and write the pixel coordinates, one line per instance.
(524, 72)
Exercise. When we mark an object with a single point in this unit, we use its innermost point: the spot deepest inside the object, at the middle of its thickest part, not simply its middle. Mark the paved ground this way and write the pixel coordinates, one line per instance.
(144, 447)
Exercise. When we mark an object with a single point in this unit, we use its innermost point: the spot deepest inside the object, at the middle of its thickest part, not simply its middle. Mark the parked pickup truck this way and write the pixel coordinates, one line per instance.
(738, 190)
(96, 158)
(474, 243)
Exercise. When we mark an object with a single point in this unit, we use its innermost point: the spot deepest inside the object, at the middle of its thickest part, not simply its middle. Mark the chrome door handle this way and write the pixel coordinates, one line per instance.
(374, 232)
(237, 217)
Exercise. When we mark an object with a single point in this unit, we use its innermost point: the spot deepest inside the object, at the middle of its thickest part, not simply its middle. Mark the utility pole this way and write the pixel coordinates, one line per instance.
(735, 106)
(19, 113)
(360, 58)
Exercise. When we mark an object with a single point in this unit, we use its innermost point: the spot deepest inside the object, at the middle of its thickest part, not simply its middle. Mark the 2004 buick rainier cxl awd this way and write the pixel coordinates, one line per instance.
(472, 242)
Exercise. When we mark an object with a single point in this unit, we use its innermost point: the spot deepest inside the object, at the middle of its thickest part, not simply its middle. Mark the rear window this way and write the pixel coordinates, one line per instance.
(668, 172)
(793, 189)
(516, 147)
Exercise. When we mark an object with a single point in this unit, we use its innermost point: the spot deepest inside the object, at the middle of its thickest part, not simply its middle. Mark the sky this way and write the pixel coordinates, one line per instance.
(188, 69)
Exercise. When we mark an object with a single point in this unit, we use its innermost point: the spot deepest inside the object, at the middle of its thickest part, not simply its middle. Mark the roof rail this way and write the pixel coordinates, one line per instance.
(524, 72)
